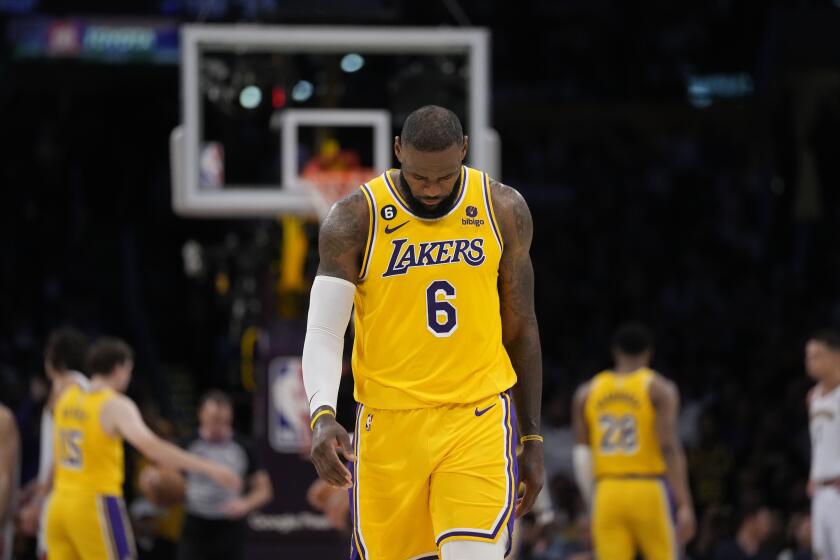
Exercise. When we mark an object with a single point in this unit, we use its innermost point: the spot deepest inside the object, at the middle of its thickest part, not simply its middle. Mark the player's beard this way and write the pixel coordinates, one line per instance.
(424, 211)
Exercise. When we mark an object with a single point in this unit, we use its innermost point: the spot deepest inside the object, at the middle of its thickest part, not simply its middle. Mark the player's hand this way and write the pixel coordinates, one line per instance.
(225, 478)
(811, 488)
(532, 474)
(236, 508)
(30, 518)
(686, 524)
(331, 444)
(149, 477)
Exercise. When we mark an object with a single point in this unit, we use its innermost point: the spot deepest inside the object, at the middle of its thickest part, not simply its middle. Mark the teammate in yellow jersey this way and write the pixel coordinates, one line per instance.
(434, 257)
(86, 517)
(628, 460)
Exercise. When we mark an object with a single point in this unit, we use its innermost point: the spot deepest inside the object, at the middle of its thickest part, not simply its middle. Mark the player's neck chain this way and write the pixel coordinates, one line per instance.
(419, 209)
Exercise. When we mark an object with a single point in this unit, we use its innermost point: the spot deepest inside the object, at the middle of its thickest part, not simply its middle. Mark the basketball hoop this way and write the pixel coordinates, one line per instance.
(329, 186)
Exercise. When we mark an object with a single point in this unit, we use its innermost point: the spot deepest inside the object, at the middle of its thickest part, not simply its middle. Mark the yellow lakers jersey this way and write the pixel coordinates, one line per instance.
(621, 421)
(428, 329)
(86, 457)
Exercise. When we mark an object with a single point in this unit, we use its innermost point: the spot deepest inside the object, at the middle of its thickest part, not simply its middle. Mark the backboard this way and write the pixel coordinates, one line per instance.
(265, 107)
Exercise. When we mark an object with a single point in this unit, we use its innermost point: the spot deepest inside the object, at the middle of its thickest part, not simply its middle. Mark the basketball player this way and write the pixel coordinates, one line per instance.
(9, 473)
(63, 363)
(822, 362)
(435, 258)
(86, 517)
(625, 426)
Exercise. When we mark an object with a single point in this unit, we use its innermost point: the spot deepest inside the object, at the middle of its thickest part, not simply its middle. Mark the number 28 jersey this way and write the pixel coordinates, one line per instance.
(426, 315)
(621, 421)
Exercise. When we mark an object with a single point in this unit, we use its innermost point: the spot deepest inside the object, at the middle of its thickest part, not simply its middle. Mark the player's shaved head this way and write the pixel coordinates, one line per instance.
(430, 149)
(632, 339)
(432, 129)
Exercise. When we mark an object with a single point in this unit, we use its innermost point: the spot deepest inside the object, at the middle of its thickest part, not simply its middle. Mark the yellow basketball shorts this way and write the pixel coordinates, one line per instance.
(633, 515)
(88, 526)
(427, 476)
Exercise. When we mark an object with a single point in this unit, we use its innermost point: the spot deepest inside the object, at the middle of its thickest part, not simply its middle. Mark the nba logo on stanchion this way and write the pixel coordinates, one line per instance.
(288, 414)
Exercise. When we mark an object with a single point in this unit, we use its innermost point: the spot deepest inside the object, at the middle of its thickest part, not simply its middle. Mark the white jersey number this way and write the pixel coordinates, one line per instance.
(71, 449)
(621, 434)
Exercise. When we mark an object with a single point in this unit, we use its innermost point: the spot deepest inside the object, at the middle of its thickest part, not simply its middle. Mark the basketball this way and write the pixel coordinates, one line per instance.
(162, 486)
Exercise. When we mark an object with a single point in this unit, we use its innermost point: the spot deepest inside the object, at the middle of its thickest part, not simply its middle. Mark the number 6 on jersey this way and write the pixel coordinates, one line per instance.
(441, 316)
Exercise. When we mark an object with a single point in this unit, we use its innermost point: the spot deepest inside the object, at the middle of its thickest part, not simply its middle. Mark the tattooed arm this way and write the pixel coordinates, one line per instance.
(520, 333)
(341, 241)
(341, 245)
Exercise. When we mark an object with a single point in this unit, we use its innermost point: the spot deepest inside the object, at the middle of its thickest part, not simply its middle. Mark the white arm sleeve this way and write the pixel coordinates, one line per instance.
(330, 305)
(582, 463)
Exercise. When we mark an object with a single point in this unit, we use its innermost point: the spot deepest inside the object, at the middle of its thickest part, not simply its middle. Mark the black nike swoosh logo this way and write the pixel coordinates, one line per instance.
(480, 412)
(393, 229)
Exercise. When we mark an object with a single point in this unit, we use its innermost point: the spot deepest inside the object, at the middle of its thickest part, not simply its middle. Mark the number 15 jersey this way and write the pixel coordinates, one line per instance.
(428, 328)
(87, 458)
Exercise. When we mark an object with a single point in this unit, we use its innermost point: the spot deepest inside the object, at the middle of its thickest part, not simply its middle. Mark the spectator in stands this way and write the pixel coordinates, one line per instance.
(799, 538)
(754, 528)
